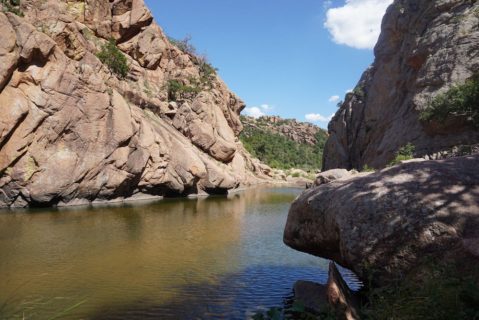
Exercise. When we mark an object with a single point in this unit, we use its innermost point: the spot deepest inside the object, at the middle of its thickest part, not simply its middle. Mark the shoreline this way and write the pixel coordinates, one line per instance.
(141, 198)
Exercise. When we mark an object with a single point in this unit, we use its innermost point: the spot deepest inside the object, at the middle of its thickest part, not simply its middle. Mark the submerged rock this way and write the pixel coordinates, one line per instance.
(385, 222)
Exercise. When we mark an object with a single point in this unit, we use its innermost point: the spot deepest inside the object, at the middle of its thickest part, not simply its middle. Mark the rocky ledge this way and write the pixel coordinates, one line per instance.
(386, 222)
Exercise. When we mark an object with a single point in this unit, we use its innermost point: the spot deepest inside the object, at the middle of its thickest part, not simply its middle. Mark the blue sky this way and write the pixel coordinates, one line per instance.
(284, 57)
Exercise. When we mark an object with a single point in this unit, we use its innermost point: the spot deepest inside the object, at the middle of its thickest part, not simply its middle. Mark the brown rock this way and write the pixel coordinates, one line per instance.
(71, 132)
(332, 175)
(312, 295)
(340, 297)
(388, 220)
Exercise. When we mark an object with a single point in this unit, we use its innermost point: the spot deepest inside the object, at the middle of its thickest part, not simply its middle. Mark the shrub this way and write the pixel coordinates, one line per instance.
(459, 101)
(12, 6)
(184, 45)
(367, 168)
(207, 71)
(359, 92)
(116, 61)
(177, 90)
(404, 153)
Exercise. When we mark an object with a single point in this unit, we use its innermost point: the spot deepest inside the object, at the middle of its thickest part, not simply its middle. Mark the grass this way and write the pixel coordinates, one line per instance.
(440, 292)
(462, 100)
(404, 153)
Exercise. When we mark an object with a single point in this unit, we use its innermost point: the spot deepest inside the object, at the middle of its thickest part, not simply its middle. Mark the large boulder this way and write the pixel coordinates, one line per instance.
(389, 220)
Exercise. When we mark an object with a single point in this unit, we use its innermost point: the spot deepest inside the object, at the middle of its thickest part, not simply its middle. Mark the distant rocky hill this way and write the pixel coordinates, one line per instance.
(98, 104)
(301, 132)
(421, 89)
(284, 143)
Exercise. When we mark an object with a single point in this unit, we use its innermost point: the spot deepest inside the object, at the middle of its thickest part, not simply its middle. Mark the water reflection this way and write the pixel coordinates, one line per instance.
(149, 259)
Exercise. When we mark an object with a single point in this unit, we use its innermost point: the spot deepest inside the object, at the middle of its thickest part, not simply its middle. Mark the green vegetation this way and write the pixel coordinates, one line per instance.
(184, 45)
(440, 292)
(295, 311)
(367, 168)
(359, 92)
(404, 153)
(177, 90)
(459, 101)
(12, 6)
(111, 56)
(280, 152)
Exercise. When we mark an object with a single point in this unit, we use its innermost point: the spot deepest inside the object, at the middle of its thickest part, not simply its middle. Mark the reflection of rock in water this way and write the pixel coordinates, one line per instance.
(116, 255)
(142, 248)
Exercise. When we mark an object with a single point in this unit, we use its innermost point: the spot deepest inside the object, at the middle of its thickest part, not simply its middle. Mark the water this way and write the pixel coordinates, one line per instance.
(214, 258)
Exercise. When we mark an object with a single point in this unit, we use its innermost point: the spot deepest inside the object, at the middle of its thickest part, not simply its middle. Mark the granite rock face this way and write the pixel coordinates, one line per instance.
(389, 220)
(73, 132)
(425, 47)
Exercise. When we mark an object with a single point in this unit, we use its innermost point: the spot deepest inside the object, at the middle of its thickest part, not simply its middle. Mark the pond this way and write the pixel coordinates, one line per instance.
(216, 258)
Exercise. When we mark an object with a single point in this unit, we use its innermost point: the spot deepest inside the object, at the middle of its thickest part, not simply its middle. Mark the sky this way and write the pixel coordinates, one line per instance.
(295, 59)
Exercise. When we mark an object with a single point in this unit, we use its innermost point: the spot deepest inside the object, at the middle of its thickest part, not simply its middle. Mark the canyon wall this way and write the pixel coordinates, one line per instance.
(73, 132)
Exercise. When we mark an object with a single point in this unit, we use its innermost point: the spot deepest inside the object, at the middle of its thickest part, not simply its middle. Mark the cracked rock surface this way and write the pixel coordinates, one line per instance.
(72, 132)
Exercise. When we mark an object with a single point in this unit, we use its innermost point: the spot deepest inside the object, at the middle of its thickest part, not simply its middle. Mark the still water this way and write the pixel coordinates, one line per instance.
(214, 258)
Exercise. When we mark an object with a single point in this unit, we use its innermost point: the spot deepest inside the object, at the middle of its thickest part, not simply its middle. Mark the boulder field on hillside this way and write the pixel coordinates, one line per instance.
(388, 221)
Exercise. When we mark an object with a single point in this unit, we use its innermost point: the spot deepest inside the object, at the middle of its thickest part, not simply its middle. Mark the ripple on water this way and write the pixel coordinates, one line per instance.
(216, 258)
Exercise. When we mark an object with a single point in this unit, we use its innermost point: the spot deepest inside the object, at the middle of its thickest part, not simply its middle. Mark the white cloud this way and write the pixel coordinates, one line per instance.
(327, 4)
(317, 117)
(349, 91)
(266, 107)
(254, 112)
(257, 112)
(357, 24)
(334, 99)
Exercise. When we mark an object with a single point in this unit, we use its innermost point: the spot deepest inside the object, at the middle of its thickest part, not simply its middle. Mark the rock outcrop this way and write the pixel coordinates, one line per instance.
(425, 47)
(300, 132)
(73, 132)
(386, 222)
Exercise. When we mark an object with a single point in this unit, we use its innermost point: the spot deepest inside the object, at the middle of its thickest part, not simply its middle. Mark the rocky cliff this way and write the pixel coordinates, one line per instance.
(72, 131)
(300, 132)
(425, 48)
